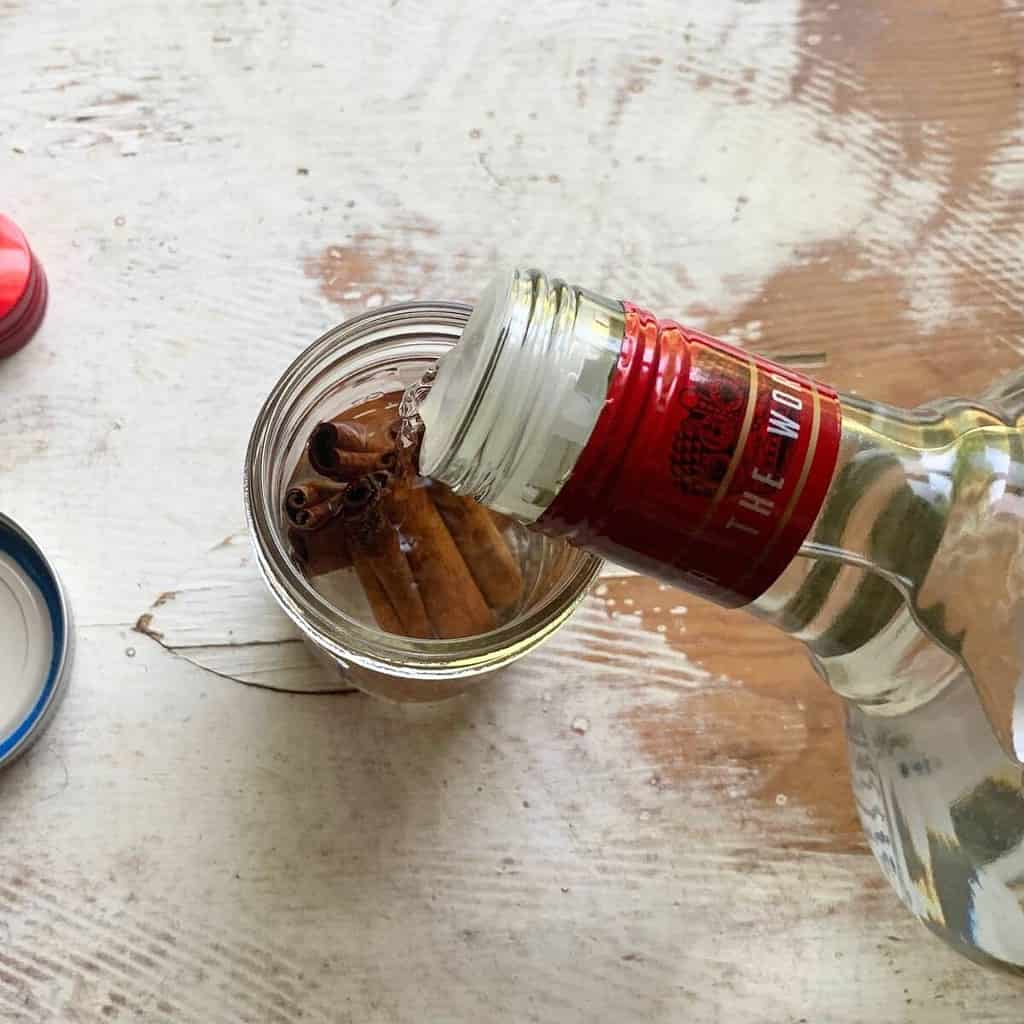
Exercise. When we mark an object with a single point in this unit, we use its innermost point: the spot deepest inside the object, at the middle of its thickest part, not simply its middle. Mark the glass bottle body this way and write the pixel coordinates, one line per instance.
(905, 595)
(906, 589)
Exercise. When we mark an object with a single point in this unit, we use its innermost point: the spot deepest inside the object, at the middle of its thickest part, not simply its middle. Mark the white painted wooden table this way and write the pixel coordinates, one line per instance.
(650, 819)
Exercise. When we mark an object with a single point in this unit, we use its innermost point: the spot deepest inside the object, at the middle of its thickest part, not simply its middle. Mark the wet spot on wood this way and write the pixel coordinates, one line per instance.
(763, 725)
(946, 81)
(808, 305)
(376, 266)
(341, 268)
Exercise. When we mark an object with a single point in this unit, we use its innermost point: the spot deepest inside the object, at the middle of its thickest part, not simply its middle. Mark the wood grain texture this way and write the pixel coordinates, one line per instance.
(649, 819)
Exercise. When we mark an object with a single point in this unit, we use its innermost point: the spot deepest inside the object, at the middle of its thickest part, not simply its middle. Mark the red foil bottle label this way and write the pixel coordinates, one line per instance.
(707, 466)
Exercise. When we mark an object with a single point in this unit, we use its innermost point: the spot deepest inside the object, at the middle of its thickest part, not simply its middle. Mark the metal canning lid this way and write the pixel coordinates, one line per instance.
(22, 289)
(35, 641)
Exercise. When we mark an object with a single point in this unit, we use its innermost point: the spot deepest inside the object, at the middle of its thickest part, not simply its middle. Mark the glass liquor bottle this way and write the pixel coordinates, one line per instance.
(889, 541)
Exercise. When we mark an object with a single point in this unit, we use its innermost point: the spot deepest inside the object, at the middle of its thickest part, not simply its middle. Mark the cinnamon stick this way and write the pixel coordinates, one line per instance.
(377, 552)
(321, 551)
(380, 604)
(358, 437)
(315, 517)
(375, 414)
(346, 465)
(453, 601)
(310, 493)
(344, 451)
(490, 560)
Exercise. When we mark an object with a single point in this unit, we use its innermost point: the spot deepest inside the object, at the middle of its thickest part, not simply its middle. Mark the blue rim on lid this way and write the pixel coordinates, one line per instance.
(33, 613)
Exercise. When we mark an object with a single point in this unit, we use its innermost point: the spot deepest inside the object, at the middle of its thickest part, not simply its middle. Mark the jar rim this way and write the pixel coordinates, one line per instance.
(345, 639)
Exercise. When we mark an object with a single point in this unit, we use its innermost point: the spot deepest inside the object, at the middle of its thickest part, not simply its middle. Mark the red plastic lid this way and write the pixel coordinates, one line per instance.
(22, 289)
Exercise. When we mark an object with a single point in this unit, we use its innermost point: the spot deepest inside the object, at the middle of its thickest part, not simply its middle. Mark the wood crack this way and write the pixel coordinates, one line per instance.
(143, 625)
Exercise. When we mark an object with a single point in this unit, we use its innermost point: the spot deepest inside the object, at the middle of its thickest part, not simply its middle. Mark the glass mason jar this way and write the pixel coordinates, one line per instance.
(377, 353)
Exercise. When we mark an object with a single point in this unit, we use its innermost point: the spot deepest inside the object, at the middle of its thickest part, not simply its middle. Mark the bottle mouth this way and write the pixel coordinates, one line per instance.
(450, 408)
(514, 403)
(394, 344)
